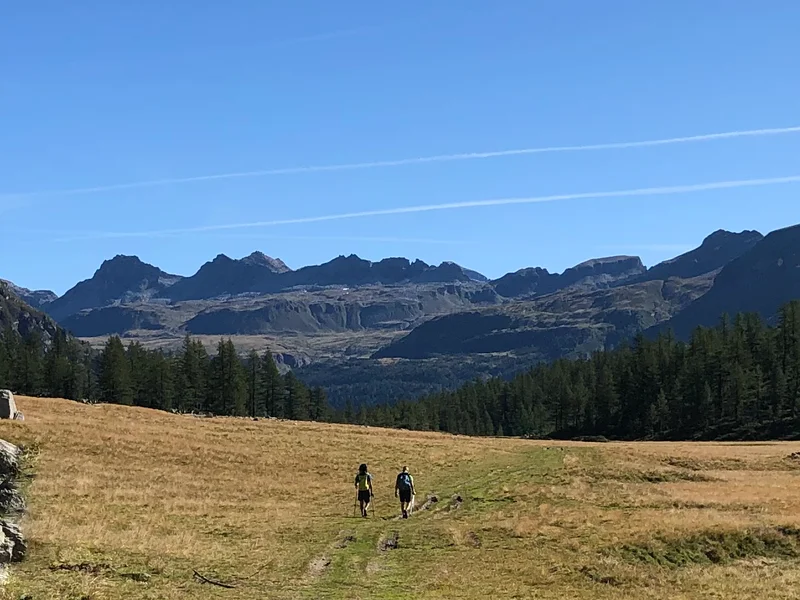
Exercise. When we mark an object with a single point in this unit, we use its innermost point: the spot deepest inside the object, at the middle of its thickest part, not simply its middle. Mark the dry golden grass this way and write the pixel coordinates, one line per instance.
(143, 498)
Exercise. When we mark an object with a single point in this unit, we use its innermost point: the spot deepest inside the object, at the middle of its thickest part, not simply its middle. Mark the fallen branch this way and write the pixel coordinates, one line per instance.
(204, 579)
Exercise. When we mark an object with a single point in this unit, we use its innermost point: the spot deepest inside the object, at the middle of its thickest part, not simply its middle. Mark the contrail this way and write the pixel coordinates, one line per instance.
(410, 161)
(651, 191)
(376, 239)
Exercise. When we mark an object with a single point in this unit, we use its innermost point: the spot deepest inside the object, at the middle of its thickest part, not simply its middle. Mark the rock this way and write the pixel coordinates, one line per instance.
(11, 501)
(8, 408)
(9, 459)
(391, 542)
(12, 545)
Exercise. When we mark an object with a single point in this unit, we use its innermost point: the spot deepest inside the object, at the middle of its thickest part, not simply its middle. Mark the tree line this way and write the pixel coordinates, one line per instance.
(189, 380)
(739, 379)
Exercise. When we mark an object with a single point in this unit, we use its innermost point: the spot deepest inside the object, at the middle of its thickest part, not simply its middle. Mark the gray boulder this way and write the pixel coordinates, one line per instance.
(8, 408)
(12, 544)
(9, 459)
(11, 501)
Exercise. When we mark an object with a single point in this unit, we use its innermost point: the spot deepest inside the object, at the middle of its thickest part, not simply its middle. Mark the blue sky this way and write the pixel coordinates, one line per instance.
(96, 94)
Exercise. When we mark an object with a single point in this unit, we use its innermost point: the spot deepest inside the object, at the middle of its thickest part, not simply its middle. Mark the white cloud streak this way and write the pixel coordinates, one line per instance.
(639, 192)
(406, 161)
(377, 239)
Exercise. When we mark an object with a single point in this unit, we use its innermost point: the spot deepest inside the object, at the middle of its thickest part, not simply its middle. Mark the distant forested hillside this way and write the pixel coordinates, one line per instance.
(740, 379)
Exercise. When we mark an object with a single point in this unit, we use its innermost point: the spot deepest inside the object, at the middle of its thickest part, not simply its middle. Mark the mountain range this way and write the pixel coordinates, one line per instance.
(350, 310)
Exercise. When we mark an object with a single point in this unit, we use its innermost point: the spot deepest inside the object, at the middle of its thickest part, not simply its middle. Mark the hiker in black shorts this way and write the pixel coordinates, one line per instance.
(404, 487)
(364, 488)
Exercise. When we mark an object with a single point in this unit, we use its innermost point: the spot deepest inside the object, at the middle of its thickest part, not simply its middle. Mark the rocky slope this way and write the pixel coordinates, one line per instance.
(259, 295)
(121, 279)
(716, 251)
(591, 274)
(330, 310)
(409, 309)
(563, 323)
(760, 280)
(35, 298)
(17, 315)
(364, 320)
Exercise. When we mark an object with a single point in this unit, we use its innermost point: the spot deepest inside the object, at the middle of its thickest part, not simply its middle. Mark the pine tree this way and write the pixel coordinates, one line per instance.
(228, 384)
(296, 398)
(319, 405)
(254, 382)
(349, 415)
(115, 375)
(192, 377)
(160, 382)
(272, 392)
(661, 412)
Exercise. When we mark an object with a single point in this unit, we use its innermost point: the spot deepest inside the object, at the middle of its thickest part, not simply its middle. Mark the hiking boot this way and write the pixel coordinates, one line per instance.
(405, 514)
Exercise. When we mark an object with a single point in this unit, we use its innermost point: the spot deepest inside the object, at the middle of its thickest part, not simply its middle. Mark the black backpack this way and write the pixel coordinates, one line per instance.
(404, 481)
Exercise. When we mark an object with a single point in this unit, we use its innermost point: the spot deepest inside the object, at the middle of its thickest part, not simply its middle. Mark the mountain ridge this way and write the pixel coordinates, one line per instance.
(35, 298)
(20, 317)
(381, 303)
(383, 313)
(774, 263)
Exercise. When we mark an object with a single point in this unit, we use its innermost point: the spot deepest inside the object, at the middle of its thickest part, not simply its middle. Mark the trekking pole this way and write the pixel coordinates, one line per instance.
(355, 503)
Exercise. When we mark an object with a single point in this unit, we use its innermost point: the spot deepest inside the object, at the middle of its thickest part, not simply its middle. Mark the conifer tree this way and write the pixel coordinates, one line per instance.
(115, 374)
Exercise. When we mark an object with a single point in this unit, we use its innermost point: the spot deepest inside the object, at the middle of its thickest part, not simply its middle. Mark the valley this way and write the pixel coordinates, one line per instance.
(392, 319)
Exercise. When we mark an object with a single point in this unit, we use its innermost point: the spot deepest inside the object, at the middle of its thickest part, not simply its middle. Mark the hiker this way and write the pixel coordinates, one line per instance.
(404, 487)
(364, 488)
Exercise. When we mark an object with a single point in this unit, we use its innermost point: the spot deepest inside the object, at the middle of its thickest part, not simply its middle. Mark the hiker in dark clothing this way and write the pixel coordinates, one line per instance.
(404, 487)
(364, 489)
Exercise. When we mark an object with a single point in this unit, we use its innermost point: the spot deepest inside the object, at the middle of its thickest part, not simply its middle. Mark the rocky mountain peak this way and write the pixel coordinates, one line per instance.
(716, 251)
(276, 265)
(122, 263)
(122, 278)
(609, 266)
(722, 236)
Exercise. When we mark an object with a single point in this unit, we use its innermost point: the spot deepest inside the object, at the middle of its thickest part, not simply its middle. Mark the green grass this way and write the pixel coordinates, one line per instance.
(362, 569)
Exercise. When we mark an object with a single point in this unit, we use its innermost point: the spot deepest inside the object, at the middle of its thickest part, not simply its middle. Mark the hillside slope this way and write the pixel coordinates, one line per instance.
(551, 326)
(760, 281)
(17, 315)
(34, 298)
(716, 251)
(120, 279)
(514, 518)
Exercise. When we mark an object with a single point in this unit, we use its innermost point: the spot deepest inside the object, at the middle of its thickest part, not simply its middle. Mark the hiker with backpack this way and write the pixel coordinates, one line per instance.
(364, 489)
(404, 487)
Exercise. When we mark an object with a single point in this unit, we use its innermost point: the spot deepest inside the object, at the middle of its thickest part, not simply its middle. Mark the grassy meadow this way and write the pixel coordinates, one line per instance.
(130, 503)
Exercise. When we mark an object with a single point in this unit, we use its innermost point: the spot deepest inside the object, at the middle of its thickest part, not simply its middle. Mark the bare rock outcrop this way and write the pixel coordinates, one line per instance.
(12, 543)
